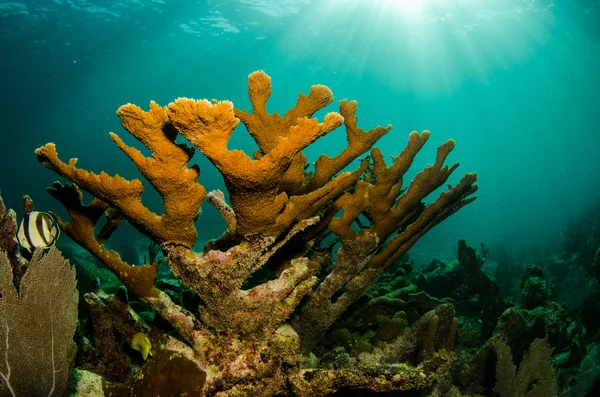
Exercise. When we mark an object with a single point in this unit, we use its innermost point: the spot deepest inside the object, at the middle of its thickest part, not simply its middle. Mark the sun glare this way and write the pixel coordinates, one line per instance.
(410, 7)
(430, 46)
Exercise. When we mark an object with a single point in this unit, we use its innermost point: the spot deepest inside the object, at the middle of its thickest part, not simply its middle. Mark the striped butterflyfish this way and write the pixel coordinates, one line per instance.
(38, 230)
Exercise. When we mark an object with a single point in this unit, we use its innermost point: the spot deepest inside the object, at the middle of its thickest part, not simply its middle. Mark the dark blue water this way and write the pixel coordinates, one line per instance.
(516, 83)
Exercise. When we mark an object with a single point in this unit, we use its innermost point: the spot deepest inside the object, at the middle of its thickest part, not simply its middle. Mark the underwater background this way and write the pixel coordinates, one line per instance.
(514, 82)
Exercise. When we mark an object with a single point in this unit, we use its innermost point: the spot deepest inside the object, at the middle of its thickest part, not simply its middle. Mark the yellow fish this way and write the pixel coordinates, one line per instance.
(141, 343)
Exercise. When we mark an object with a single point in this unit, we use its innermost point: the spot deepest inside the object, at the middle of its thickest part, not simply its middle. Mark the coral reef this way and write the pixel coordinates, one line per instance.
(326, 236)
(475, 293)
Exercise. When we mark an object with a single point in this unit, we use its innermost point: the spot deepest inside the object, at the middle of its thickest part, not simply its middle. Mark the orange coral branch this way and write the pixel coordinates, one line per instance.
(447, 204)
(359, 142)
(166, 171)
(267, 129)
(271, 191)
(81, 229)
(389, 209)
(376, 195)
(253, 185)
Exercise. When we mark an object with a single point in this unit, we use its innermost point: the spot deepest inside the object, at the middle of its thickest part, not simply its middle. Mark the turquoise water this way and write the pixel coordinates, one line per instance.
(515, 83)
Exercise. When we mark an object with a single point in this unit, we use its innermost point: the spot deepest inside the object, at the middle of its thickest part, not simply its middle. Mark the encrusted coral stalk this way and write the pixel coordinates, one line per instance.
(320, 309)
(218, 276)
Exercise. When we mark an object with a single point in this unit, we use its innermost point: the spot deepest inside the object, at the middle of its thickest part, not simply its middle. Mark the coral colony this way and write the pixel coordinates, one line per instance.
(324, 238)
